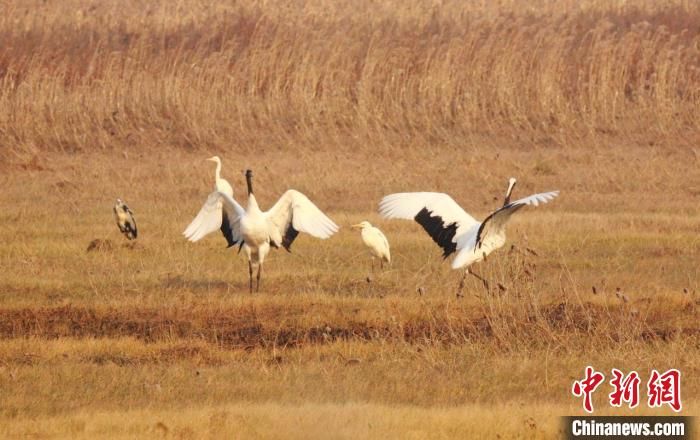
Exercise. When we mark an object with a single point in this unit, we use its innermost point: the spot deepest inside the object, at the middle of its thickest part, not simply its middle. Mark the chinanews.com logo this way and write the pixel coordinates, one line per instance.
(662, 390)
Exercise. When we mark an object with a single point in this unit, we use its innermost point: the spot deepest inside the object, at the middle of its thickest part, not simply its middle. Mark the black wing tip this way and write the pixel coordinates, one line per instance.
(441, 234)
(289, 235)
(230, 243)
(227, 231)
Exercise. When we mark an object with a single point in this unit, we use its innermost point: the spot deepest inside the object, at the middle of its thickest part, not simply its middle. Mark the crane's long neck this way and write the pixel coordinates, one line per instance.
(249, 181)
(511, 185)
(253, 207)
(252, 203)
(218, 170)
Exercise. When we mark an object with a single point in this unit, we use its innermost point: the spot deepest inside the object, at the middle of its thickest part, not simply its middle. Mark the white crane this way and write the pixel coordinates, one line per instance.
(375, 240)
(125, 220)
(452, 228)
(223, 186)
(258, 230)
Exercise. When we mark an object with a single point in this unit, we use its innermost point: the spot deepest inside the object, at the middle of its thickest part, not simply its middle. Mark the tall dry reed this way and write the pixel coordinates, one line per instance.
(84, 75)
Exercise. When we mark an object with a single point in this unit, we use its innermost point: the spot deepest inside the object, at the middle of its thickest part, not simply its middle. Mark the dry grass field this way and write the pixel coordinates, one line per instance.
(345, 101)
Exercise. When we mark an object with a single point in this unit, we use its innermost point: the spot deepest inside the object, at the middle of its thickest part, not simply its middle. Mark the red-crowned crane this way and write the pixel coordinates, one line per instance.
(256, 230)
(455, 231)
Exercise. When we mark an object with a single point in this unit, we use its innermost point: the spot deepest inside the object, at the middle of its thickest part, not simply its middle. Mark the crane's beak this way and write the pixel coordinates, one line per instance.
(357, 226)
(210, 159)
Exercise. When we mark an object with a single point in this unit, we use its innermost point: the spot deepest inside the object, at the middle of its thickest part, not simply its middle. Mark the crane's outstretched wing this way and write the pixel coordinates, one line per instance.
(226, 230)
(294, 213)
(496, 221)
(441, 217)
(209, 218)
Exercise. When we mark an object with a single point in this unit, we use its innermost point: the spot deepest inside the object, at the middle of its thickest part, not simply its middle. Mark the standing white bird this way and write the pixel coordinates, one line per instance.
(258, 230)
(375, 240)
(452, 228)
(226, 188)
(125, 220)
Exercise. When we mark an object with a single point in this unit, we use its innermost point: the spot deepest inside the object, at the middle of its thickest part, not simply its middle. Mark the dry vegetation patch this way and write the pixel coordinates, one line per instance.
(506, 325)
(82, 75)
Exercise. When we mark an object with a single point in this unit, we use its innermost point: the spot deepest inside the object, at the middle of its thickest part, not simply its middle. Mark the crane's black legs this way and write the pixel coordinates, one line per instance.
(461, 285)
(478, 277)
(469, 271)
(257, 287)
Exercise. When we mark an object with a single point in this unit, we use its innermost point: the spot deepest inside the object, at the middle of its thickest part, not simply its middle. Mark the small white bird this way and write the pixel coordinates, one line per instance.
(452, 228)
(125, 220)
(258, 230)
(375, 240)
(222, 185)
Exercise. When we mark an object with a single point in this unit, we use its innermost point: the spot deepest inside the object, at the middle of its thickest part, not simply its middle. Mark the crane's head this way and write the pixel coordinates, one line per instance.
(214, 159)
(362, 225)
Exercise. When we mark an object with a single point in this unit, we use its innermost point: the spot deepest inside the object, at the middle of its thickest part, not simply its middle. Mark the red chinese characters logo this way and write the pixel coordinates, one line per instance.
(626, 389)
(587, 386)
(665, 389)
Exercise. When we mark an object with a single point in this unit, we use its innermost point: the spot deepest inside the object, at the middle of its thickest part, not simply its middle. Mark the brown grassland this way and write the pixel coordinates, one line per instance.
(346, 101)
